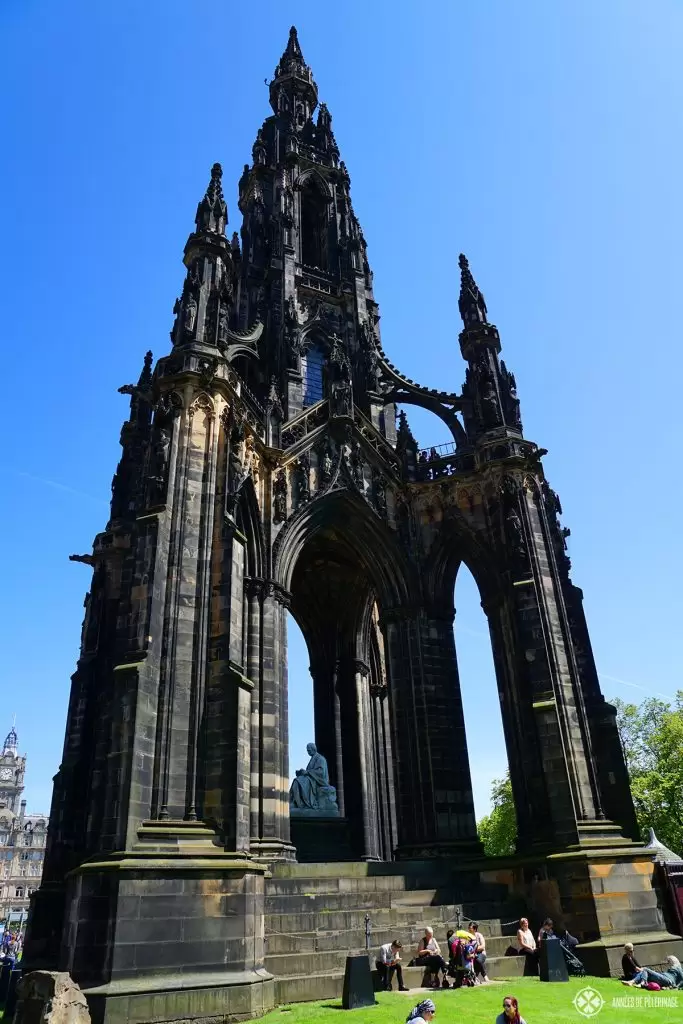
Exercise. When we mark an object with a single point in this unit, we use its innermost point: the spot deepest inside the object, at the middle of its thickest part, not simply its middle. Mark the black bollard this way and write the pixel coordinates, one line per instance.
(358, 990)
(11, 1002)
(5, 972)
(552, 965)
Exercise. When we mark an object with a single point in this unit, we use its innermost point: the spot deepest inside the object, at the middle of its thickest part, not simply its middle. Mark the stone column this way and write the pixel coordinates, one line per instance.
(368, 766)
(435, 807)
(270, 787)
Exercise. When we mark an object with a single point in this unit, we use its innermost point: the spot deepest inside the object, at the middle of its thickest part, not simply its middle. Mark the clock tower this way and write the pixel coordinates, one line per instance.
(12, 768)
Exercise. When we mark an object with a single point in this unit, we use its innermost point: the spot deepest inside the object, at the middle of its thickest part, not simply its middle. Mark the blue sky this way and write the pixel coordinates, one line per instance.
(542, 139)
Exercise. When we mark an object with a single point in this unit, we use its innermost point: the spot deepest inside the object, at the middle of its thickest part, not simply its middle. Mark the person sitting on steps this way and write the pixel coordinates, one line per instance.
(429, 956)
(388, 963)
(479, 953)
(526, 944)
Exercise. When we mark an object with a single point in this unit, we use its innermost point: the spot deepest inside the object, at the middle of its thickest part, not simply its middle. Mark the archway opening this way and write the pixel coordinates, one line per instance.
(300, 695)
(481, 705)
(334, 589)
(312, 373)
(313, 227)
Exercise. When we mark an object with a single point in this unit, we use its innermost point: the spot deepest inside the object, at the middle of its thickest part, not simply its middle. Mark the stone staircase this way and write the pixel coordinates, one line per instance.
(315, 918)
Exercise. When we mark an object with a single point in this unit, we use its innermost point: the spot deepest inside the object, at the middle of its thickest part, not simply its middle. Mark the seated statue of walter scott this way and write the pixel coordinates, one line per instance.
(311, 793)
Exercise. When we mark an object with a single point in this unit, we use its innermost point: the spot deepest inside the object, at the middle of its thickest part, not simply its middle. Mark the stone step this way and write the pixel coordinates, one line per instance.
(321, 941)
(312, 903)
(363, 883)
(304, 988)
(343, 876)
(391, 918)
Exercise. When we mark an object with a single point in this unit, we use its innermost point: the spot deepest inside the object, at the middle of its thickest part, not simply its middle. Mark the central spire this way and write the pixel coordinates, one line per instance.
(293, 79)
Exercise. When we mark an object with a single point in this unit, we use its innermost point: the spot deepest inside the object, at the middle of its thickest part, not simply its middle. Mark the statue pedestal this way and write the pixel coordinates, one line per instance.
(320, 837)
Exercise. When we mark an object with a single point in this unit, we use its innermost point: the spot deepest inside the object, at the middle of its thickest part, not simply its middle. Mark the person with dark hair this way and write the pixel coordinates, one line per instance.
(547, 930)
(423, 1013)
(479, 962)
(388, 963)
(510, 1014)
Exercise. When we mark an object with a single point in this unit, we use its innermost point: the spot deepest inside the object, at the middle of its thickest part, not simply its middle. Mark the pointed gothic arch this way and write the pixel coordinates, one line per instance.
(314, 201)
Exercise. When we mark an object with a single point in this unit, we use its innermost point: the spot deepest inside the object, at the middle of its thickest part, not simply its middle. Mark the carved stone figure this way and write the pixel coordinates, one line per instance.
(223, 324)
(280, 497)
(302, 477)
(324, 465)
(311, 793)
(357, 466)
(380, 496)
(190, 313)
(341, 398)
(160, 458)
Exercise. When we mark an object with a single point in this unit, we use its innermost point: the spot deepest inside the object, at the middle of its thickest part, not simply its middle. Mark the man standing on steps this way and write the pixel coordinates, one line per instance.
(388, 962)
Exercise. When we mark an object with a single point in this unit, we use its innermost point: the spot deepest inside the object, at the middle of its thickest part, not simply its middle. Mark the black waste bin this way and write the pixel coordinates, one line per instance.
(358, 990)
(552, 965)
(5, 972)
(10, 1004)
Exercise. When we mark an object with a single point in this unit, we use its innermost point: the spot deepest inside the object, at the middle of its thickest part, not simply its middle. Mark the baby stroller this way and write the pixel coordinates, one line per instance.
(574, 966)
(461, 961)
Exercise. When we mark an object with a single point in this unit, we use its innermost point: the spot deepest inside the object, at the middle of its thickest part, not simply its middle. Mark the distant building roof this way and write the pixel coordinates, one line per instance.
(11, 744)
(661, 853)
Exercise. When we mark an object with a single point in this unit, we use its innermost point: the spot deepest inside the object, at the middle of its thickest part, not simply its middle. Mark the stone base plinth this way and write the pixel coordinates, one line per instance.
(200, 998)
(170, 930)
(319, 838)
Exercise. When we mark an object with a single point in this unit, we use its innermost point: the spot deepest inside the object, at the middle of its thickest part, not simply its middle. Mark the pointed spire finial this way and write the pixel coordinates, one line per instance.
(471, 302)
(146, 373)
(11, 744)
(212, 212)
(294, 78)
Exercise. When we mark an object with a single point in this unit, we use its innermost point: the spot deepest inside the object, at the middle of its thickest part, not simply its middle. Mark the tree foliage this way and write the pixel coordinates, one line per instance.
(498, 830)
(652, 738)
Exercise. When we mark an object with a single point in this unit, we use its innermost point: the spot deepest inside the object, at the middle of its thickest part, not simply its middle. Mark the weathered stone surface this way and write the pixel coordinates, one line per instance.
(50, 997)
(262, 471)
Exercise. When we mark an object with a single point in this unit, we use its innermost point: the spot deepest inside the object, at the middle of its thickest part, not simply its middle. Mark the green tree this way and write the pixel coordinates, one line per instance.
(652, 738)
(498, 830)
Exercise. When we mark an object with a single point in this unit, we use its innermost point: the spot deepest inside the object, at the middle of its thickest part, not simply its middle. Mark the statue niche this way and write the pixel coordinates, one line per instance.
(311, 793)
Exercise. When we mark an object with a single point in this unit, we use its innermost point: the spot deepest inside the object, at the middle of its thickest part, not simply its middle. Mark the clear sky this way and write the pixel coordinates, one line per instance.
(543, 139)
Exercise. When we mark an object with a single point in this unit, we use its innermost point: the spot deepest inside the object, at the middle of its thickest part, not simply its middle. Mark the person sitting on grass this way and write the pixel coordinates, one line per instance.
(389, 963)
(671, 977)
(629, 964)
(510, 1014)
(422, 1013)
(429, 956)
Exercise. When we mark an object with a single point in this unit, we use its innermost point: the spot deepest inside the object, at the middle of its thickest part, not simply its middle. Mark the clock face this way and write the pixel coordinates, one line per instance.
(6, 774)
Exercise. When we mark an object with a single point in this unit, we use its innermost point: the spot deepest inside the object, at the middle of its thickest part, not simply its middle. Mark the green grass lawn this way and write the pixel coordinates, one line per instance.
(538, 1003)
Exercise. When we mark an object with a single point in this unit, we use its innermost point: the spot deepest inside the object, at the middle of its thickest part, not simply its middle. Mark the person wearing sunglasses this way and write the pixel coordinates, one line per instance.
(423, 1013)
(510, 1014)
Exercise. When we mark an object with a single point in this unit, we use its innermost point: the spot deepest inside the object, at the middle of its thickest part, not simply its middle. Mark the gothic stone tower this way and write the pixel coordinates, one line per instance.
(262, 471)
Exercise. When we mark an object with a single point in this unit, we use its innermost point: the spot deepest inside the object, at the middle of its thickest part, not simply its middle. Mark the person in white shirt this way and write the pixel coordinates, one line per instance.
(429, 956)
(388, 963)
(526, 943)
